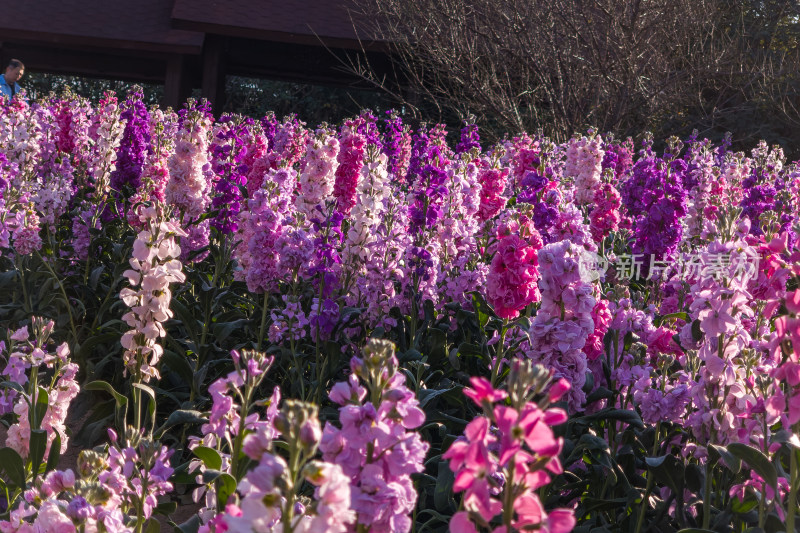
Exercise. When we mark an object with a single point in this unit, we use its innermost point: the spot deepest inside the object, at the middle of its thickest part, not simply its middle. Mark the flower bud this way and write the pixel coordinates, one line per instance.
(90, 463)
(378, 354)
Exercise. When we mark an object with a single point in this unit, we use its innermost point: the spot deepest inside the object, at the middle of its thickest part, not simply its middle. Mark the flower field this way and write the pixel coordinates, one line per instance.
(240, 325)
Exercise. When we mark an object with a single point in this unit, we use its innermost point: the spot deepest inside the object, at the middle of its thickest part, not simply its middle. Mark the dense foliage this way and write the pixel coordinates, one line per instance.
(366, 328)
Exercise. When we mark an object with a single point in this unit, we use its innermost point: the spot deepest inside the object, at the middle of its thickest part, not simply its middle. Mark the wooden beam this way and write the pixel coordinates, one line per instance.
(214, 72)
(177, 86)
(108, 65)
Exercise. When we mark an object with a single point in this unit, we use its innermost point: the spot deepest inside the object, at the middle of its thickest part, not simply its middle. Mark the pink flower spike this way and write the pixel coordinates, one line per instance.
(21, 334)
(554, 417)
(558, 389)
(779, 243)
(793, 302)
(560, 521)
(483, 390)
(461, 523)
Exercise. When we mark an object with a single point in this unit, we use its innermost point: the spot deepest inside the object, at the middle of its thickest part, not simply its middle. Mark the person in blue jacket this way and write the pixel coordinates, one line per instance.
(8, 80)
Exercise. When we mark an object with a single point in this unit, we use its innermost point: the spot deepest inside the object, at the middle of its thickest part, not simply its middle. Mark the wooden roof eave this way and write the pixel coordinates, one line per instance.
(12, 34)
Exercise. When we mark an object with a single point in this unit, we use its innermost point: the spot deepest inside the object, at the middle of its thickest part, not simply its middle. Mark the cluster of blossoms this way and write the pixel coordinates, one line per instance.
(374, 446)
(511, 284)
(154, 265)
(233, 398)
(106, 132)
(188, 187)
(267, 500)
(316, 181)
(559, 332)
(41, 378)
(584, 160)
(342, 230)
(268, 494)
(605, 217)
(655, 199)
(350, 157)
(133, 147)
(228, 152)
(507, 456)
(493, 185)
(115, 491)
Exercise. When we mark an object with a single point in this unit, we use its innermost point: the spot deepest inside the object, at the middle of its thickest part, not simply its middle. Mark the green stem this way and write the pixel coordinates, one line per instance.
(508, 497)
(294, 467)
(263, 321)
(793, 479)
(499, 352)
(707, 497)
(317, 355)
(26, 297)
(643, 508)
(63, 293)
(237, 442)
(140, 509)
(34, 395)
(412, 325)
(649, 487)
(137, 412)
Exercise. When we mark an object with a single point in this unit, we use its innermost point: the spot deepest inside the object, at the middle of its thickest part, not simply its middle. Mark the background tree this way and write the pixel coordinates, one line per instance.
(621, 65)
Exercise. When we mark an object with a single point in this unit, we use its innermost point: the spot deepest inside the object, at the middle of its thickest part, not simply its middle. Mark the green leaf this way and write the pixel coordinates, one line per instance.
(226, 486)
(599, 394)
(757, 461)
(209, 456)
(697, 333)
(469, 349)
(42, 403)
(151, 405)
(222, 331)
(104, 385)
(89, 344)
(746, 506)
(120, 401)
(190, 526)
(426, 395)
(38, 444)
(183, 314)
(166, 508)
(435, 344)
(94, 277)
(179, 364)
(11, 385)
(591, 505)
(443, 493)
(679, 315)
(623, 415)
(54, 455)
(146, 388)
(733, 463)
(695, 530)
(182, 416)
(152, 526)
(12, 465)
(483, 311)
(668, 470)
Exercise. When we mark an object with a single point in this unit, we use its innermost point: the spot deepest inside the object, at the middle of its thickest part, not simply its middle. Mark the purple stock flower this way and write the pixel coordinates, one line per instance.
(126, 179)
